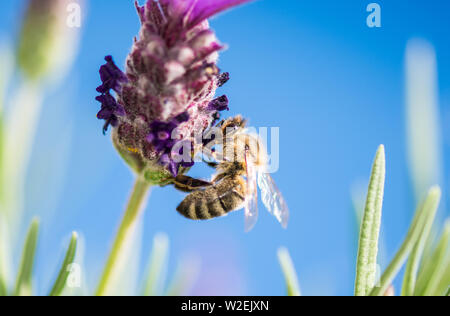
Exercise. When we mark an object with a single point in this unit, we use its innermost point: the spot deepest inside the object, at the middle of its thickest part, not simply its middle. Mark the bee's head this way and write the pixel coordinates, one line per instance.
(236, 122)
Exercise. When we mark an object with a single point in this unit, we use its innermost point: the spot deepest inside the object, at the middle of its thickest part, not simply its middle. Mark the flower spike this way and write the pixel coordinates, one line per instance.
(166, 93)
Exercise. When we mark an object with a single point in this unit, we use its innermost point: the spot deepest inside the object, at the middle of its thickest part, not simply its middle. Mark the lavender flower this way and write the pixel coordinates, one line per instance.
(111, 76)
(167, 91)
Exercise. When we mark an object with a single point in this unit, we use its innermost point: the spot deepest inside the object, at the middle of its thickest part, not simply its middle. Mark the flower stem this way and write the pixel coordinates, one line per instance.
(133, 211)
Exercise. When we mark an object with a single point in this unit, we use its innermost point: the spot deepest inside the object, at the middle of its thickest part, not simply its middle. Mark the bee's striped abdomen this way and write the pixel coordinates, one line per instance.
(215, 209)
(209, 203)
(201, 209)
(188, 206)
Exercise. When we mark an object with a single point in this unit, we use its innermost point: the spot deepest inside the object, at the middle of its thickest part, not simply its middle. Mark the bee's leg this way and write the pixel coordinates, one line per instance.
(211, 164)
(188, 184)
(210, 154)
(217, 123)
(219, 177)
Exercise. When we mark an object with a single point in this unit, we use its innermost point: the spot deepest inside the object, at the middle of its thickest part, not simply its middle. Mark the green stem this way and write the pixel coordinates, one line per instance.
(3, 289)
(61, 280)
(132, 215)
(412, 267)
(20, 123)
(427, 209)
(366, 266)
(25, 274)
(290, 275)
(438, 274)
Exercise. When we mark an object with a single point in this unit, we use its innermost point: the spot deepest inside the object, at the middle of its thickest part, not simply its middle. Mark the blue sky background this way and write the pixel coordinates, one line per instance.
(313, 68)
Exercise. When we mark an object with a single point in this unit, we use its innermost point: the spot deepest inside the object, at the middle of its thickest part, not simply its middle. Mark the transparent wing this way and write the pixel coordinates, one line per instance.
(273, 199)
(251, 200)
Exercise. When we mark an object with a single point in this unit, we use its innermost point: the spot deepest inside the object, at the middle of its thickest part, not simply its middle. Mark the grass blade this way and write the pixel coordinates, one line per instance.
(185, 277)
(287, 266)
(3, 289)
(412, 267)
(6, 65)
(422, 116)
(428, 208)
(5, 255)
(24, 277)
(435, 276)
(60, 282)
(366, 266)
(158, 265)
(443, 284)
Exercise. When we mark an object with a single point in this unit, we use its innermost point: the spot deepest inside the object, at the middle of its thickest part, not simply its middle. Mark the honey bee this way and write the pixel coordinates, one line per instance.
(240, 170)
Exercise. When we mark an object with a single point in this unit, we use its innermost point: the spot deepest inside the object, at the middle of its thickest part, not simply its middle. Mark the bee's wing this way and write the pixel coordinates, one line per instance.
(251, 199)
(273, 199)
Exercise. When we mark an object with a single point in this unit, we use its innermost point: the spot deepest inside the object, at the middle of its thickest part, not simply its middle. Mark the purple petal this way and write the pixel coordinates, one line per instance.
(105, 114)
(181, 118)
(158, 126)
(111, 76)
(167, 162)
(163, 135)
(219, 104)
(140, 11)
(173, 168)
(160, 135)
(151, 138)
(109, 111)
(199, 10)
(223, 79)
(109, 102)
(161, 132)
